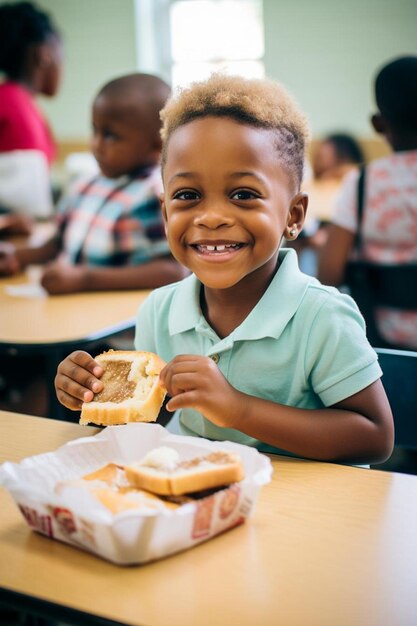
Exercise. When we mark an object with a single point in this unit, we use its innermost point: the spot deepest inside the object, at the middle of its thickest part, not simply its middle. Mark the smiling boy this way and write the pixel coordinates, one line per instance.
(256, 350)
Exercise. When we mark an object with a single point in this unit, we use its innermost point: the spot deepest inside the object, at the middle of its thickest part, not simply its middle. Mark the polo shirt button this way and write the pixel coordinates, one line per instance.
(215, 358)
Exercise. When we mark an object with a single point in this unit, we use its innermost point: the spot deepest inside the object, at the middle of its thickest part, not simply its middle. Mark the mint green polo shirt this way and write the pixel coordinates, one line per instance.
(303, 344)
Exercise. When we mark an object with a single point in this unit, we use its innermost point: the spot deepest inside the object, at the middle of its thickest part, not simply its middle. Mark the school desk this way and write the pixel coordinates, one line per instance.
(328, 544)
(55, 325)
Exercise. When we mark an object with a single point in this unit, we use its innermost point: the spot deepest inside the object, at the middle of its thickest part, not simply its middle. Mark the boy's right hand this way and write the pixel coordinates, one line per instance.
(9, 263)
(77, 380)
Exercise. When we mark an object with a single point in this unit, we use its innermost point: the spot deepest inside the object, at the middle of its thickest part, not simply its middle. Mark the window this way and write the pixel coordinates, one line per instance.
(186, 40)
(213, 35)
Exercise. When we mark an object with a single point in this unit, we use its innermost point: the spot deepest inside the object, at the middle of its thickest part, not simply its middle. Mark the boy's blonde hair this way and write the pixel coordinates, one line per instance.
(260, 103)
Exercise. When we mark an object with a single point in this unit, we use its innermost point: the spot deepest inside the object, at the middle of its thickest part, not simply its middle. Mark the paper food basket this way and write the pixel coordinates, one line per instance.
(75, 517)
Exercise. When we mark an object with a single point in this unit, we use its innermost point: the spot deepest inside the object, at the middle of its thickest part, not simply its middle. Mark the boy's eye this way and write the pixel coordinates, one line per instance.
(185, 194)
(244, 194)
(108, 134)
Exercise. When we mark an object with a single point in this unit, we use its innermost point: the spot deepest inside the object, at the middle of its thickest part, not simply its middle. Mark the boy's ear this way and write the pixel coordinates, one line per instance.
(378, 123)
(296, 215)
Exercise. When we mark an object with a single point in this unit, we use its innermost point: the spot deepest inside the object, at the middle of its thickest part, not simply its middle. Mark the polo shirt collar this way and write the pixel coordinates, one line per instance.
(269, 317)
(185, 313)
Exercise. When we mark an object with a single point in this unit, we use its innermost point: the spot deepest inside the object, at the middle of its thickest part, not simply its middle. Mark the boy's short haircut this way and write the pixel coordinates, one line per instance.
(146, 91)
(396, 92)
(260, 103)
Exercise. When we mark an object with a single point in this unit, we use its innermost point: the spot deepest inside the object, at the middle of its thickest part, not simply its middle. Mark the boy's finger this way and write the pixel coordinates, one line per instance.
(69, 401)
(84, 360)
(184, 400)
(84, 371)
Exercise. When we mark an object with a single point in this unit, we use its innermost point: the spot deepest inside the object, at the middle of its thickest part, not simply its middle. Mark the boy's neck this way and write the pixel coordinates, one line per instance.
(402, 142)
(226, 309)
(143, 171)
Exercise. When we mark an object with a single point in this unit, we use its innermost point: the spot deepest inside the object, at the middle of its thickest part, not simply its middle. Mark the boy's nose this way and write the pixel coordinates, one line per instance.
(213, 217)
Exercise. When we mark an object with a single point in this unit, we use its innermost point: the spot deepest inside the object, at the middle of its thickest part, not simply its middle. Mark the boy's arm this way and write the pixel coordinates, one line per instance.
(61, 278)
(39, 254)
(341, 234)
(334, 255)
(357, 430)
(14, 259)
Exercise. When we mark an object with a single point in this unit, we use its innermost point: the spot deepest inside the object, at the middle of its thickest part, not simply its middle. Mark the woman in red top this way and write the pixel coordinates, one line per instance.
(31, 59)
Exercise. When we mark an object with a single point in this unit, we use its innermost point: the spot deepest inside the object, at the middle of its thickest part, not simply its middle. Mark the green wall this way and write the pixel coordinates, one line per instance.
(324, 51)
(327, 51)
(99, 41)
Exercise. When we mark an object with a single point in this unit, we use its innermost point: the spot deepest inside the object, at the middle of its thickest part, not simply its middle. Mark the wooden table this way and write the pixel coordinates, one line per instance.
(328, 545)
(56, 325)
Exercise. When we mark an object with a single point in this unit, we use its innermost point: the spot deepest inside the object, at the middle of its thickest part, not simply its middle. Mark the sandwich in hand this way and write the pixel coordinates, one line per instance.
(131, 390)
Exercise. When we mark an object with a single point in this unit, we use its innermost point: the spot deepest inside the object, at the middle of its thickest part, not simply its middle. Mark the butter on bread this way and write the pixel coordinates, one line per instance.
(162, 472)
(131, 390)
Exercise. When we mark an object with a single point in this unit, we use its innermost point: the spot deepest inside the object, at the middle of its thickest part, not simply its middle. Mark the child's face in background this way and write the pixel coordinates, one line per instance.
(121, 143)
(226, 201)
(52, 57)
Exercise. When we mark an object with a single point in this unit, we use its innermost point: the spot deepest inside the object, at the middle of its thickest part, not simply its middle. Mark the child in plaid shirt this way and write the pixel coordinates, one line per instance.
(110, 230)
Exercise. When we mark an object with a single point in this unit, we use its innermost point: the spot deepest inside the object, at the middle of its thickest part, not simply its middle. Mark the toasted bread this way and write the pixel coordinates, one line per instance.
(160, 472)
(131, 392)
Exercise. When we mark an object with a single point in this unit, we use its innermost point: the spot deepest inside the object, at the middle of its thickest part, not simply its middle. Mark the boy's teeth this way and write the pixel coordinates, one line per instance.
(219, 248)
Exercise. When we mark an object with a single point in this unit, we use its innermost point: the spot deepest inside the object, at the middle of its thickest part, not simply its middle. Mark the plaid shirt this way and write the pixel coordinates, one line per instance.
(113, 221)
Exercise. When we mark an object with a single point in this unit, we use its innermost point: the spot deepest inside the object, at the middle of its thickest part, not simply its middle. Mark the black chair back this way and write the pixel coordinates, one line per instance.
(399, 378)
(373, 285)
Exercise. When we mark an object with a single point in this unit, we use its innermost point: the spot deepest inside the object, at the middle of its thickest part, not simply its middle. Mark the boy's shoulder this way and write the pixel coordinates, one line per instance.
(303, 291)
(390, 162)
(318, 296)
(325, 311)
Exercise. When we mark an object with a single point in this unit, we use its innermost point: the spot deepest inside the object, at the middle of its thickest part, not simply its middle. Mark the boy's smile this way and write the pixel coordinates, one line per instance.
(228, 201)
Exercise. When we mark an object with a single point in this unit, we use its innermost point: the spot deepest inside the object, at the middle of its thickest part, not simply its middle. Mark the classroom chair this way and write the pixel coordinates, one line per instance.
(374, 285)
(399, 378)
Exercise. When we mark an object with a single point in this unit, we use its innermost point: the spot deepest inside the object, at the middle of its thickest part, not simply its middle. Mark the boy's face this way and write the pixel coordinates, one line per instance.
(227, 201)
(121, 142)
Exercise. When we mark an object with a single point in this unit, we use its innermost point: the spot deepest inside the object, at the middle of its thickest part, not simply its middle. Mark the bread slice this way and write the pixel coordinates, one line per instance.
(110, 486)
(127, 499)
(131, 392)
(163, 473)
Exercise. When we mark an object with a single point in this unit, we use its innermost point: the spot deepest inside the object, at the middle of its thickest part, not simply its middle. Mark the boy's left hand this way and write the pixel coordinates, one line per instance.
(196, 382)
(59, 277)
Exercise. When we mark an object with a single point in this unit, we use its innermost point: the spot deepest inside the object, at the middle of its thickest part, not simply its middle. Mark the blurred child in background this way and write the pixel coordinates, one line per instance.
(389, 223)
(110, 229)
(335, 155)
(332, 158)
(31, 61)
